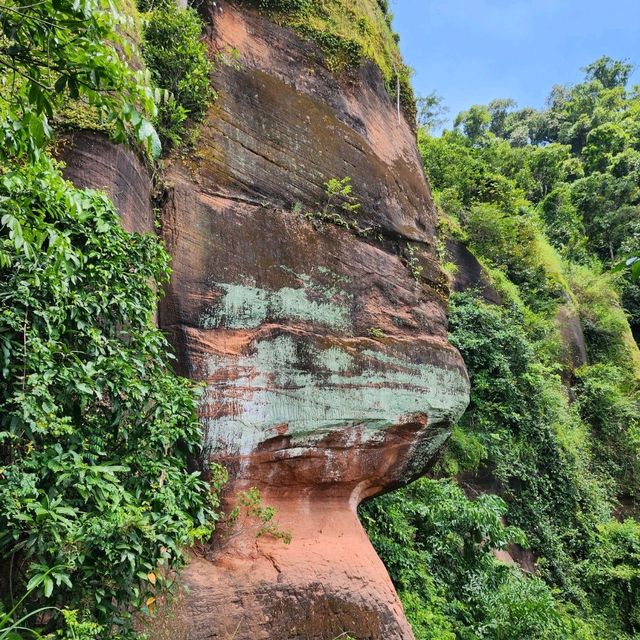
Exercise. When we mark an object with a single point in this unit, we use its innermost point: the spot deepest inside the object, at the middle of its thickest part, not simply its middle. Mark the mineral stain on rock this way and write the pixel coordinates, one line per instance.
(328, 375)
(244, 307)
(314, 391)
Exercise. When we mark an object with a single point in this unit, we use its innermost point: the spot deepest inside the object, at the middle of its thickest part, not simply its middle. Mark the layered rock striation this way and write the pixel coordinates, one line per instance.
(320, 333)
(324, 350)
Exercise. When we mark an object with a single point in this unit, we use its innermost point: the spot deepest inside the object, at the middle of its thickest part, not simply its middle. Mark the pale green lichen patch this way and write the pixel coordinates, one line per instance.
(245, 307)
(317, 391)
(335, 360)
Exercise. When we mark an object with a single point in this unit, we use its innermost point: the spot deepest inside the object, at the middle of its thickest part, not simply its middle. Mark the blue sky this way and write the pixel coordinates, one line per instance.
(471, 51)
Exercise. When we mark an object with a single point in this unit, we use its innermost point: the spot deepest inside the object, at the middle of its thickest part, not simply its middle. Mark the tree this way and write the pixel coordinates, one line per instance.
(55, 50)
(499, 110)
(474, 122)
(609, 72)
(431, 111)
(177, 57)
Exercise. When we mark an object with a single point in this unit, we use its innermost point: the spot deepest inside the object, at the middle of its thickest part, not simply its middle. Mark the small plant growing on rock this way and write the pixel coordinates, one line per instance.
(340, 202)
(250, 513)
(338, 209)
(413, 263)
(341, 190)
(374, 332)
(230, 57)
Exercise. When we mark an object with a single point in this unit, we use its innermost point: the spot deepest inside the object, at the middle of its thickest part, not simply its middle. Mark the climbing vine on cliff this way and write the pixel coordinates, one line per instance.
(95, 428)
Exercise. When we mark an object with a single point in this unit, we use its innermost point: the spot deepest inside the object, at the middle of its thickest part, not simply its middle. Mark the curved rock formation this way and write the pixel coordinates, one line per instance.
(92, 161)
(573, 347)
(469, 274)
(329, 375)
(320, 334)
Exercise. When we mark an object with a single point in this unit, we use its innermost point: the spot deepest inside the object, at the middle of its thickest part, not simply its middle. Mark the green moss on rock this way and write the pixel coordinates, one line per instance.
(349, 32)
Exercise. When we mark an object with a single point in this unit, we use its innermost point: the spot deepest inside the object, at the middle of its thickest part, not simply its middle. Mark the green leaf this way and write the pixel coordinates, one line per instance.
(48, 586)
(36, 130)
(148, 135)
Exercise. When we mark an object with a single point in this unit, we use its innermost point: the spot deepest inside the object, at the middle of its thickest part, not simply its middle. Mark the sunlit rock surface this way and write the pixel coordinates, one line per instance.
(328, 374)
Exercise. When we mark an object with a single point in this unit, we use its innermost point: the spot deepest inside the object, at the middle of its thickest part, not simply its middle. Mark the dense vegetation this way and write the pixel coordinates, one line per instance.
(548, 201)
(177, 59)
(96, 431)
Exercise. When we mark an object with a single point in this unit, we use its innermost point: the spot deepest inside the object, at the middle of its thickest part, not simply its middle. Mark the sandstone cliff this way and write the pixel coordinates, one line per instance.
(329, 378)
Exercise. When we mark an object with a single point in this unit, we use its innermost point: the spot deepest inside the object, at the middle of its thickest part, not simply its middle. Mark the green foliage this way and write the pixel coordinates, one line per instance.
(413, 262)
(547, 200)
(608, 72)
(339, 208)
(77, 629)
(439, 549)
(563, 224)
(522, 436)
(611, 574)
(604, 322)
(612, 410)
(250, 513)
(474, 123)
(516, 245)
(15, 620)
(465, 453)
(177, 58)
(95, 429)
(285, 6)
(633, 263)
(460, 170)
(59, 50)
(342, 191)
(583, 183)
(430, 111)
(520, 414)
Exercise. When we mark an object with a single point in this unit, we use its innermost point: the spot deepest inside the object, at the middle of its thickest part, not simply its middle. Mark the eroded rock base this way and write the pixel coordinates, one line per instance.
(327, 583)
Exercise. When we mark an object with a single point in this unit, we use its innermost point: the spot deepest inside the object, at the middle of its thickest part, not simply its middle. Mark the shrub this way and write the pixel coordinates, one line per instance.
(465, 452)
(177, 58)
(612, 575)
(95, 429)
(515, 244)
(520, 413)
(604, 322)
(439, 548)
(563, 225)
(285, 6)
(613, 412)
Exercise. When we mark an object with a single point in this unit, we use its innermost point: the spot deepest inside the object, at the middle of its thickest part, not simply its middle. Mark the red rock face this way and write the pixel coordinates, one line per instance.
(94, 162)
(328, 373)
(329, 378)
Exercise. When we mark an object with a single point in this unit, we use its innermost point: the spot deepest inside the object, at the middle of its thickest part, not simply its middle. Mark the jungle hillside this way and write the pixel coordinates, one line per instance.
(526, 525)
(546, 461)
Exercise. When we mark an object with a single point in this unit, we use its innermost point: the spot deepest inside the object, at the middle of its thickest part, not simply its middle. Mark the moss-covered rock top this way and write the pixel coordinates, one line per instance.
(349, 32)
